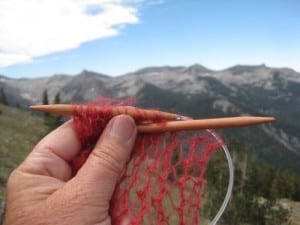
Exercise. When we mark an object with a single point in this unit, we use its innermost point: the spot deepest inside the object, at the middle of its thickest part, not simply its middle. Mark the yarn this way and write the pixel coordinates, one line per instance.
(165, 176)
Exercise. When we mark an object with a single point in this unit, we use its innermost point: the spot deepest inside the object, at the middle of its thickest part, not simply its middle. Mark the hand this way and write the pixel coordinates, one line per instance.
(42, 190)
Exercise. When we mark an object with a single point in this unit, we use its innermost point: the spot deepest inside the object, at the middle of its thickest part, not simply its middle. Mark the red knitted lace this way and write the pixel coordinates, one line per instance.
(164, 179)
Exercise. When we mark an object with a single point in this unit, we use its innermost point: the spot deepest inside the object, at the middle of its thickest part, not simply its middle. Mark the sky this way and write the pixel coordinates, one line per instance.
(45, 37)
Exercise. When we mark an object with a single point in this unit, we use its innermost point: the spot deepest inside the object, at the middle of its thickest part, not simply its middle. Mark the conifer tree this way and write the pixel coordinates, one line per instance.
(45, 97)
(52, 121)
(57, 98)
(56, 118)
(45, 102)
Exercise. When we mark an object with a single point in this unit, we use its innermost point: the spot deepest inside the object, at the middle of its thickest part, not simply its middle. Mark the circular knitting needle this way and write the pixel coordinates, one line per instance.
(66, 109)
(175, 122)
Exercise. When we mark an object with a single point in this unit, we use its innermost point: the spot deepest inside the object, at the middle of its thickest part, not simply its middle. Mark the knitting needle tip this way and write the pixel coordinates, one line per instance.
(214, 123)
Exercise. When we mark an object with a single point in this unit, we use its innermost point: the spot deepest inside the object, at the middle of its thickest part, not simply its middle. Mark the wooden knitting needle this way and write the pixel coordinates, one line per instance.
(200, 124)
(65, 109)
(166, 126)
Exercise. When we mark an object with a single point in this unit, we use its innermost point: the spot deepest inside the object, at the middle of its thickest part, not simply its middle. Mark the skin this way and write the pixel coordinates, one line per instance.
(42, 190)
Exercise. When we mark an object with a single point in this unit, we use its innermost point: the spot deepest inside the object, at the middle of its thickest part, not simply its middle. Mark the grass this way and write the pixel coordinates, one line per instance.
(19, 132)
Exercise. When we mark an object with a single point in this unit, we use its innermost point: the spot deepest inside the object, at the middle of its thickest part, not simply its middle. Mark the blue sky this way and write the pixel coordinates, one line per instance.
(215, 33)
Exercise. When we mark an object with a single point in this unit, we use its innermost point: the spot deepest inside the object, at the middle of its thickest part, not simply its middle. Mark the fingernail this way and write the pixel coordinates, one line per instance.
(122, 128)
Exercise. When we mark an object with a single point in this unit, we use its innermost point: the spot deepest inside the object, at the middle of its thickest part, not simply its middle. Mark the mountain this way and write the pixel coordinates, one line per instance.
(197, 92)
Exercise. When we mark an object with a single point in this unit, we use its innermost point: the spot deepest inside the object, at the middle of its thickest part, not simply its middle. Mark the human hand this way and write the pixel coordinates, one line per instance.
(42, 190)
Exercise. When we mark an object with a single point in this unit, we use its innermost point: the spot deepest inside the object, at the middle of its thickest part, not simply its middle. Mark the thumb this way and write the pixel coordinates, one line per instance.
(106, 162)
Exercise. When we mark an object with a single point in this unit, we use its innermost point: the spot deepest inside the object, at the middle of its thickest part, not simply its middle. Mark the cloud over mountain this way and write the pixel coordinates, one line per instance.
(35, 28)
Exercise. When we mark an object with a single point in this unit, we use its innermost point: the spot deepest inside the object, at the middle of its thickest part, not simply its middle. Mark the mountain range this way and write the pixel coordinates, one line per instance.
(194, 91)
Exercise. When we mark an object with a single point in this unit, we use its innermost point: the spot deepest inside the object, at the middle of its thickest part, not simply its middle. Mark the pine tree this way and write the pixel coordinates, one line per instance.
(57, 98)
(45, 97)
(56, 119)
(45, 102)
(47, 117)
(52, 121)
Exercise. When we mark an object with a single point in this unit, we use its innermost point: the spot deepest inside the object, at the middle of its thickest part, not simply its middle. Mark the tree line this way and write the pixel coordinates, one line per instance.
(257, 191)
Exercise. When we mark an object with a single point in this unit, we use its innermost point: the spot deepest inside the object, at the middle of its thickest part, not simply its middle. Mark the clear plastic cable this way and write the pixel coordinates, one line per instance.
(231, 179)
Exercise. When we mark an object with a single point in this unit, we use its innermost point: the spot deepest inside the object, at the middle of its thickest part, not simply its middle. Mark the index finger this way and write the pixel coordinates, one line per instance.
(63, 142)
(52, 154)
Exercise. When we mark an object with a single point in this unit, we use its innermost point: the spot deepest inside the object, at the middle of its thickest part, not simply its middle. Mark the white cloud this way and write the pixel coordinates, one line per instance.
(35, 28)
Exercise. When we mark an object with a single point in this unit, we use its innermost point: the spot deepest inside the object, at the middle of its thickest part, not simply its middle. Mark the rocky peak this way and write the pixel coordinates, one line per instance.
(197, 69)
(87, 73)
